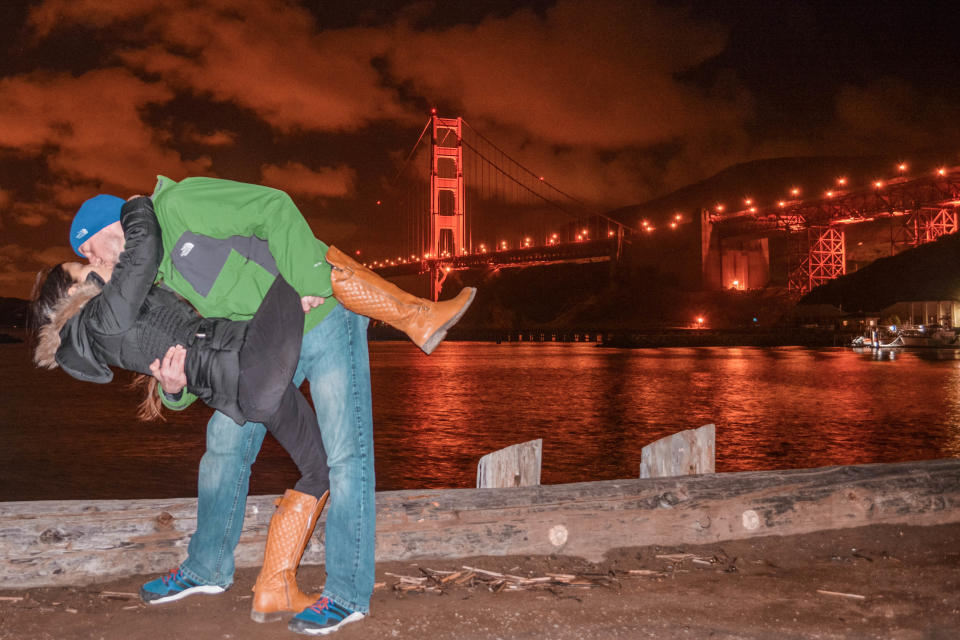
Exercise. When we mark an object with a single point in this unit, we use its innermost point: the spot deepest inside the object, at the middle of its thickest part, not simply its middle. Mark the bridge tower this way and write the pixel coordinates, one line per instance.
(923, 225)
(447, 220)
(819, 255)
(828, 256)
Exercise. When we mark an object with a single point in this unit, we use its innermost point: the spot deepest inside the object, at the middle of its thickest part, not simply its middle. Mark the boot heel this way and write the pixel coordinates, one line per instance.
(273, 616)
(434, 341)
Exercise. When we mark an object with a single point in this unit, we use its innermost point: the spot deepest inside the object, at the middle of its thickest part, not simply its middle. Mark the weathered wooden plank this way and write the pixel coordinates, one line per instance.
(77, 542)
(515, 466)
(685, 453)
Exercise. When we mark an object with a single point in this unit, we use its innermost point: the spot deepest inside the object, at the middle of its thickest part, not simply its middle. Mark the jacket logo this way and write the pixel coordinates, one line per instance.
(186, 248)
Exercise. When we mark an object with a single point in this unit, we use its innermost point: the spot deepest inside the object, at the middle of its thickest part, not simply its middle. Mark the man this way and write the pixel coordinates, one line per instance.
(224, 243)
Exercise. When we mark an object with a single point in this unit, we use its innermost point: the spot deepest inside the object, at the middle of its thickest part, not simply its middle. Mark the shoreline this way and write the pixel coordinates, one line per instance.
(879, 581)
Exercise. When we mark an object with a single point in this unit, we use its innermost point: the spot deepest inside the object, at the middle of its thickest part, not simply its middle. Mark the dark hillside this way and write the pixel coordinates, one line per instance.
(928, 272)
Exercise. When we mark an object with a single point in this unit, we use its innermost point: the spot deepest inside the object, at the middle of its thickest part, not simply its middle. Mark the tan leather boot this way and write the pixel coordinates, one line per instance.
(364, 292)
(276, 592)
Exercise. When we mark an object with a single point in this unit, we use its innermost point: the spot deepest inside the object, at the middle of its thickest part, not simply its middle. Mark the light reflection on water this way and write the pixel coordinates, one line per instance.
(596, 408)
(436, 416)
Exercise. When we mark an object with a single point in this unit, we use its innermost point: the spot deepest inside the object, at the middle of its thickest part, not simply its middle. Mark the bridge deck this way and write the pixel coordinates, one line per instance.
(574, 252)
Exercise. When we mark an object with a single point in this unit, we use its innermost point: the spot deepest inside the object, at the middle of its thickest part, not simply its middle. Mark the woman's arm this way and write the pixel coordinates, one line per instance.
(116, 309)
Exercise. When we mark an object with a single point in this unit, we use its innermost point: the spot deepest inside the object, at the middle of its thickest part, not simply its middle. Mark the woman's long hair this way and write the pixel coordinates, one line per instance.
(150, 408)
(49, 287)
(52, 305)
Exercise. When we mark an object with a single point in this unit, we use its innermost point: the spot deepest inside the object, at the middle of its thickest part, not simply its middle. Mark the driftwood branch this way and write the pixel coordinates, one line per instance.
(435, 581)
(77, 542)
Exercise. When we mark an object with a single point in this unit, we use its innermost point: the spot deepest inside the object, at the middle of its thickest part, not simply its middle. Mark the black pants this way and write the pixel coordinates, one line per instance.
(268, 361)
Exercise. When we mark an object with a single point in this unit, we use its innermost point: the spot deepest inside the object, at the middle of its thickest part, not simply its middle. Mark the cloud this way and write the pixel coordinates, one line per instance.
(588, 93)
(593, 73)
(599, 74)
(269, 57)
(19, 266)
(53, 14)
(216, 139)
(296, 178)
(5, 199)
(11, 254)
(32, 219)
(89, 130)
(591, 82)
(14, 278)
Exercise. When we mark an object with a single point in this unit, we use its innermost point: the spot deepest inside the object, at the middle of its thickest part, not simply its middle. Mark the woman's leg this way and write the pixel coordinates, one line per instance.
(271, 349)
(294, 425)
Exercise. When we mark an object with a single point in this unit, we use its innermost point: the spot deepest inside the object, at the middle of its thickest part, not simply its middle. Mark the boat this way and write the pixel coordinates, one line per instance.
(935, 336)
(911, 336)
(875, 340)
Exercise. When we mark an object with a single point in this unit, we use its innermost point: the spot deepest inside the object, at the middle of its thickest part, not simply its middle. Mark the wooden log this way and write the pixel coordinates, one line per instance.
(78, 542)
(515, 466)
(685, 453)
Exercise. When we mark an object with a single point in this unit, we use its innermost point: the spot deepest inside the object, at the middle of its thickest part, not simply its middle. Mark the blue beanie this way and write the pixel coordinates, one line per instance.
(94, 214)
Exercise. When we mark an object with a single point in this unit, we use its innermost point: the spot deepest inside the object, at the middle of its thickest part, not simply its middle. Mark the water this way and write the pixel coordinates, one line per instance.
(435, 416)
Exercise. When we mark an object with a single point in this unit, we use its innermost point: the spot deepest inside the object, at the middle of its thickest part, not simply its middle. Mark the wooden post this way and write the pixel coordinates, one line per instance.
(686, 453)
(515, 466)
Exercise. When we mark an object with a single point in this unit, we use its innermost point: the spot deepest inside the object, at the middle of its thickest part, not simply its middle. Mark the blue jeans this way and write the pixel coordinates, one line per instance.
(334, 359)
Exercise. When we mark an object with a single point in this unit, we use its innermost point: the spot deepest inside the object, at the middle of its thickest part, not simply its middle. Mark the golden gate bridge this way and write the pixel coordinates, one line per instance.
(465, 203)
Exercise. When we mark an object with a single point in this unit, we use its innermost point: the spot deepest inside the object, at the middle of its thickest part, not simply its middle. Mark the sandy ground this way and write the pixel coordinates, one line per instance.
(872, 582)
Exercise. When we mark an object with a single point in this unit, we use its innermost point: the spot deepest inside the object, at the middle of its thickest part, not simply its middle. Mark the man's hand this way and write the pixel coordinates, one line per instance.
(309, 302)
(169, 373)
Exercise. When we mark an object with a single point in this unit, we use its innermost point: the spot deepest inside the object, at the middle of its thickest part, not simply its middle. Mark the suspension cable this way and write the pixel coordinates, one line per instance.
(410, 155)
(585, 207)
(512, 179)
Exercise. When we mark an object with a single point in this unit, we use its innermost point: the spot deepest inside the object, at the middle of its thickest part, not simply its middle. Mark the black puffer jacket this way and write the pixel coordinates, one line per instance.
(132, 322)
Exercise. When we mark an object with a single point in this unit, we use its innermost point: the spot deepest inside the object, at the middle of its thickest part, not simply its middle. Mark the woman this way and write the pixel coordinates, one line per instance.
(90, 319)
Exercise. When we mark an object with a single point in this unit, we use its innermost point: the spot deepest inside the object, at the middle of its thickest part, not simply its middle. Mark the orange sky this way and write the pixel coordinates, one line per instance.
(618, 101)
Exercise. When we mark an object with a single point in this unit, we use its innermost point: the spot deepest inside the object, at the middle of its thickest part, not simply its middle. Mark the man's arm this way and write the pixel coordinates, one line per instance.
(117, 308)
(170, 374)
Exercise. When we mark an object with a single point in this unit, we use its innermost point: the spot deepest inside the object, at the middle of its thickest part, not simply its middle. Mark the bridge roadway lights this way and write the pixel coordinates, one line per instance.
(596, 250)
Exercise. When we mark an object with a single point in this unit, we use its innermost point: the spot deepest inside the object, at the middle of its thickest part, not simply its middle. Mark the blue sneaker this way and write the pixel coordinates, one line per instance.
(322, 617)
(174, 586)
